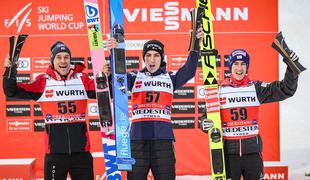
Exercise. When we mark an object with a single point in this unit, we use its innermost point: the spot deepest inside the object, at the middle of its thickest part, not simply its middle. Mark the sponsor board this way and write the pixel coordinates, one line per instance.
(17, 110)
(18, 125)
(37, 110)
(75, 60)
(177, 61)
(225, 60)
(226, 73)
(183, 122)
(143, 21)
(38, 125)
(94, 125)
(184, 92)
(40, 63)
(201, 108)
(22, 78)
(183, 107)
(132, 62)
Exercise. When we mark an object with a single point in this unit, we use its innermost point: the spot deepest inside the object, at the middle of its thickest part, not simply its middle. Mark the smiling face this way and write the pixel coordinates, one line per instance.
(152, 61)
(62, 63)
(238, 70)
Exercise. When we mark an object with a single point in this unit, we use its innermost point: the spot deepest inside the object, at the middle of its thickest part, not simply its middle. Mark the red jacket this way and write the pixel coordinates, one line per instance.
(60, 137)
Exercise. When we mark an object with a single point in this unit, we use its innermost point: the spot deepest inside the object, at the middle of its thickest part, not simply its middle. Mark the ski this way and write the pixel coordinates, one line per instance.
(12, 43)
(280, 45)
(102, 88)
(208, 59)
(15, 48)
(119, 81)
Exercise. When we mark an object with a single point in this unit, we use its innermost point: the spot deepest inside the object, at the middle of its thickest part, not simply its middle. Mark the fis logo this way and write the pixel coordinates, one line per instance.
(92, 14)
(20, 19)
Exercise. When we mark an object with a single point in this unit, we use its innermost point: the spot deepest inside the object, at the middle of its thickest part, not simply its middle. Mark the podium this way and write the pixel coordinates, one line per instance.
(275, 170)
(17, 169)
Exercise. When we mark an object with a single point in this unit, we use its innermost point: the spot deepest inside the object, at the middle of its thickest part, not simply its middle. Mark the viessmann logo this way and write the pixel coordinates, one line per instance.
(171, 14)
(20, 19)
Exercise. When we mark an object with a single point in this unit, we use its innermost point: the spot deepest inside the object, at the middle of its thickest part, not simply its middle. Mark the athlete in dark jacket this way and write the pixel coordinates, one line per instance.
(240, 101)
(62, 93)
(151, 128)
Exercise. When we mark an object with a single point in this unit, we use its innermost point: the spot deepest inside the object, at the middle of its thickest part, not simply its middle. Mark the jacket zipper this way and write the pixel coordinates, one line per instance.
(240, 148)
(69, 143)
(68, 133)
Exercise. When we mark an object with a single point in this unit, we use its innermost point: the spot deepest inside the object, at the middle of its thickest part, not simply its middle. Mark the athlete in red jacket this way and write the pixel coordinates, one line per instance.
(240, 101)
(62, 93)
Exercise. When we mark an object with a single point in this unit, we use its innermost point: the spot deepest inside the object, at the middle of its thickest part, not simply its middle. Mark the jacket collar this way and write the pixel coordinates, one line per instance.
(231, 81)
(77, 68)
(161, 70)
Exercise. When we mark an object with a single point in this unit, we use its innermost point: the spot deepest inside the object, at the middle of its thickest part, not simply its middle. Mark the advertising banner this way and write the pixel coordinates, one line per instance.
(251, 25)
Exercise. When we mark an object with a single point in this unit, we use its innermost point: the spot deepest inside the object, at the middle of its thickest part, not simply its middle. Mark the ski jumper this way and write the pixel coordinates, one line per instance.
(240, 101)
(63, 101)
(151, 129)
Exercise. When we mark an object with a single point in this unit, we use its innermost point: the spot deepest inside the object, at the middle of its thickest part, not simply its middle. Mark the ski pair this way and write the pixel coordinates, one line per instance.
(202, 16)
(114, 123)
(16, 45)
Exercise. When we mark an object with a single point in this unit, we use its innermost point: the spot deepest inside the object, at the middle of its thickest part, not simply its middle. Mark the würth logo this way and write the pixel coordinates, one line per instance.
(223, 100)
(138, 84)
(49, 93)
(18, 19)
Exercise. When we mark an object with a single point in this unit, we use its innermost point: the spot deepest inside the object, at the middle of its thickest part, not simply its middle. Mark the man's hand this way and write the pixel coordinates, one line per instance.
(106, 69)
(7, 62)
(199, 34)
(10, 69)
(111, 43)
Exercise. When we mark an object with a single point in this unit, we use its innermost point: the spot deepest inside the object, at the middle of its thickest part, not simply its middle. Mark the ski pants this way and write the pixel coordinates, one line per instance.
(249, 166)
(155, 155)
(78, 165)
